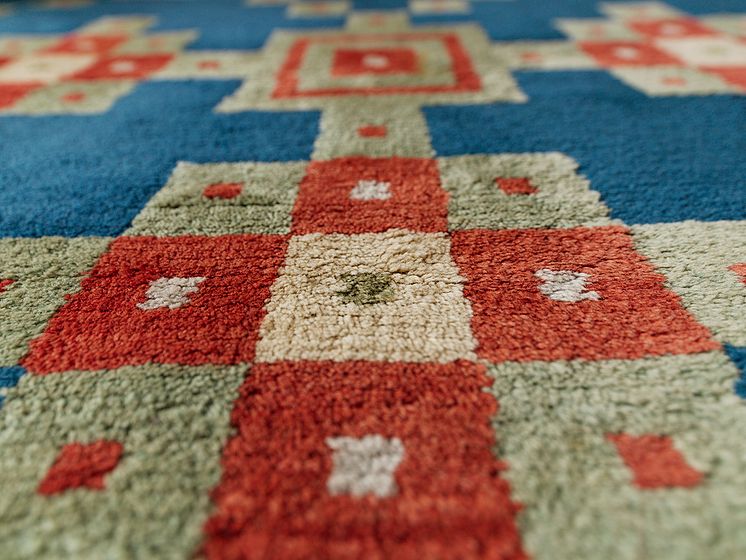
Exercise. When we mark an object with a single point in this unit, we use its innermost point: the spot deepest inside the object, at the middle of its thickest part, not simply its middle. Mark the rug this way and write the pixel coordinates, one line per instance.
(355, 279)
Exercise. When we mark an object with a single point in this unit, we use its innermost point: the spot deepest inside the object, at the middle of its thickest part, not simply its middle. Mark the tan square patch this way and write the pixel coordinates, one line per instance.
(44, 68)
(393, 296)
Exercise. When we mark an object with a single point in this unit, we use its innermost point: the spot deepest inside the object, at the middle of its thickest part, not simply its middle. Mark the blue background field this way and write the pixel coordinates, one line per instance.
(652, 159)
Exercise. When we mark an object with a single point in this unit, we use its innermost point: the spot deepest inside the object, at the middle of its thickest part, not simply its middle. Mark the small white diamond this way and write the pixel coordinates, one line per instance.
(86, 44)
(671, 29)
(122, 66)
(364, 465)
(565, 285)
(170, 292)
(375, 61)
(371, 190)
(626, 53)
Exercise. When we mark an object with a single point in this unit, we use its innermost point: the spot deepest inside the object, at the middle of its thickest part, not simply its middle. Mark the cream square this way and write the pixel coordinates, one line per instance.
(318, 8)
(596, 30)
(439, 6)
(639, 11)
(203, 65)
(118, 25)
(412, 310)
(706, 51)
(44, 68)
(672, 80)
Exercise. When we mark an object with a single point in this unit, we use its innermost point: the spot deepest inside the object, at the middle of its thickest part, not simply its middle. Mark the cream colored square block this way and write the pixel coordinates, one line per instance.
(706, 51)
(413, 311)
(44, 68)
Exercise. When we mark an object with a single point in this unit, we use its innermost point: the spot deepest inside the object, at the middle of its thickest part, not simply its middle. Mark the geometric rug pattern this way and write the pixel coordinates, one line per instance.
(312, 279)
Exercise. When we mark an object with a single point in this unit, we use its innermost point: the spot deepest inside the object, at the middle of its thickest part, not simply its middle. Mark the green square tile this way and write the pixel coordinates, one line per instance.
(263, 205)
(562, 198)
(41, 272)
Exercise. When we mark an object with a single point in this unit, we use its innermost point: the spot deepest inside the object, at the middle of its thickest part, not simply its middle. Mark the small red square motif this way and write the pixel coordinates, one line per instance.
(74, 97)
(739, 269)
(184, 300)
(515, 185)
(223, 190)
(567, 294)
(675, 27)
(358, 194)
(81, 465)
(372, 131)
(208, 65)
(374, 61)
(136, 67)
(5, 283)
(655, 462)
(627, 53)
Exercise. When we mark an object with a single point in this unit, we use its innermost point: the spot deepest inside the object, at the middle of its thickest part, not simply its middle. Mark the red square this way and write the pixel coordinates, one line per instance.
(358, 194)
(451, 500)
(623, 310)
(351, 62)
(223, 190)
(115, 320)
(516, 185)
(125, 67)
(671, 28)
(372, 131)
(739, 269)
(80, 465)
(655, 462)
(98, 44)
(627, 53)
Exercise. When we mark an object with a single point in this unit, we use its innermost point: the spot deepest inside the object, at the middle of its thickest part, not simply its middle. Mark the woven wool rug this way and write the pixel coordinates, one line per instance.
(345, 279)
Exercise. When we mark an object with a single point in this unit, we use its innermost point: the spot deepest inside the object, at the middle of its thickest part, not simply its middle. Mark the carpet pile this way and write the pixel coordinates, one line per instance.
(355, 279)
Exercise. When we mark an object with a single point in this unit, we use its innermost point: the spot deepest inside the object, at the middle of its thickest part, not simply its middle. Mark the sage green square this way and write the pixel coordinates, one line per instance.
(698, 260)
(563, 198)
(43, 271)
(172, 422)
(263, 206)
(580, 499)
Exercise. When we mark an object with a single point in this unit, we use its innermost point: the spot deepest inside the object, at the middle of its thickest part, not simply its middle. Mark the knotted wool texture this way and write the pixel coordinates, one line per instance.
(375, 280)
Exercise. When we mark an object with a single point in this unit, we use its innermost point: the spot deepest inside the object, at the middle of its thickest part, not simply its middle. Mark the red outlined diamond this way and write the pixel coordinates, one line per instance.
(464, 76)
